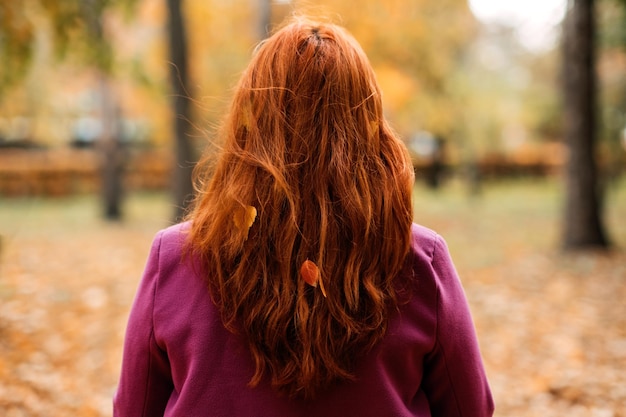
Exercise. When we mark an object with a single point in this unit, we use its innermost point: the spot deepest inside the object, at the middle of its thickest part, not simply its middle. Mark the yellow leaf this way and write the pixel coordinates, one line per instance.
(246, 116)
(244, 218)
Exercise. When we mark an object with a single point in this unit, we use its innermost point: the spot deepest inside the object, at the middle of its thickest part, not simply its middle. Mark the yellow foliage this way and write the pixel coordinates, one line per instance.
(398, 87)
(413, 45)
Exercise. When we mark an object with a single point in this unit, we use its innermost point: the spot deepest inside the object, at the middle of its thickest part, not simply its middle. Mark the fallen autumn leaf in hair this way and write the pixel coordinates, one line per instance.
(246, 116)
(244, 218)
(311, 275)
(373, 128)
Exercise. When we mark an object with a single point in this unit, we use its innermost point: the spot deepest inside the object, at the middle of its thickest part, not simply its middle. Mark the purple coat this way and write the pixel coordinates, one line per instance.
(179, 360)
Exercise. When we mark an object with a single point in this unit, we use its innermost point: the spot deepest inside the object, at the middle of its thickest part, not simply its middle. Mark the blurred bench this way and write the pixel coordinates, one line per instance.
(66, 171)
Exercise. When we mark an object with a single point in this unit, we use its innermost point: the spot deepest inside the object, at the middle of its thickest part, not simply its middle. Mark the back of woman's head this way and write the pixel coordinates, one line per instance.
(309, 172)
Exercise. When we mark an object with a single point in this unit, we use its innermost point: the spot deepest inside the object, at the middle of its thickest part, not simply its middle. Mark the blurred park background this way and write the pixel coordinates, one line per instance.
(514, 114)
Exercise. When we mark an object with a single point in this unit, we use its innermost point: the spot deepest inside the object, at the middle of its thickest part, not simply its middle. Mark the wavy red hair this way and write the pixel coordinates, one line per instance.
(305, 143)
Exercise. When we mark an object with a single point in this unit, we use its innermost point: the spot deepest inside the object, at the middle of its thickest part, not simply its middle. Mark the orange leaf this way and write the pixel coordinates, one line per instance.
(246, 116)
(244, 218)
(373, 129)
(311, 275)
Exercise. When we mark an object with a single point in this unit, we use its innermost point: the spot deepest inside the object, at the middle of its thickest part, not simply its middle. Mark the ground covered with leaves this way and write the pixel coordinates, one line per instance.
(552, 325)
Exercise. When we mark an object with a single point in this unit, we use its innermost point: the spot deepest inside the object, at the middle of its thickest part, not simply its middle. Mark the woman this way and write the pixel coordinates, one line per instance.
(299, 285)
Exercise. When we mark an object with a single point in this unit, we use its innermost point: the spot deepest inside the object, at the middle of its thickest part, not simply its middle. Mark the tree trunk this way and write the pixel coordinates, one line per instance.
(109, 147)
(265, 18)
(112, 155)
(583, 225)
(182, 186)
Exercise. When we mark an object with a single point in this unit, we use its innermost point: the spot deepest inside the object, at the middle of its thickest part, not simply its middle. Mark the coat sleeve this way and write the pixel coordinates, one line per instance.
(145, 382)
(454, 377)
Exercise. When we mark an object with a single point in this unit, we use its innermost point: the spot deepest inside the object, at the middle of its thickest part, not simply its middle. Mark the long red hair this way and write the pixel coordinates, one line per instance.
(306, 148)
